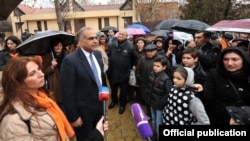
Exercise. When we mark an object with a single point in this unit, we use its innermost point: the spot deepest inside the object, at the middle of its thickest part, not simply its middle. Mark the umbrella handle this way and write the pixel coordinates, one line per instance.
(52, 53)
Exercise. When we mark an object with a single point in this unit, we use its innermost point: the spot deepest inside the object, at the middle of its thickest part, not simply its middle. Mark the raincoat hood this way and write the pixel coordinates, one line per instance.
(246, 62)
(190, 77)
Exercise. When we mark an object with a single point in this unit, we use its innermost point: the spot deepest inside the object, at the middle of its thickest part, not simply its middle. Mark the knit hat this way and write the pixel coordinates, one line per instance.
(190, 77)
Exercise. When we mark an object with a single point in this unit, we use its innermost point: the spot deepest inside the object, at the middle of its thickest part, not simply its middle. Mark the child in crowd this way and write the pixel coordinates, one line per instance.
(183, 107)
(143, 68)
(190, 59)
(159, 84)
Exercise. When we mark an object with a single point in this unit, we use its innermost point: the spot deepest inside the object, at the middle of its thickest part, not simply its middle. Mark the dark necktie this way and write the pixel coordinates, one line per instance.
(94, 69)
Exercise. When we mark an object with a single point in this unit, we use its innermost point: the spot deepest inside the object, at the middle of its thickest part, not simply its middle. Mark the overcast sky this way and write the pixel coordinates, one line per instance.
(48, 3)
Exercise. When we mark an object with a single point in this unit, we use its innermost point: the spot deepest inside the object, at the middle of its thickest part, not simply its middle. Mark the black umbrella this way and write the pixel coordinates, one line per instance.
(167, 24)
(240, 114)
(39, 43)
(107, 28)
(190, 26)
(160, 32)
(6, 7)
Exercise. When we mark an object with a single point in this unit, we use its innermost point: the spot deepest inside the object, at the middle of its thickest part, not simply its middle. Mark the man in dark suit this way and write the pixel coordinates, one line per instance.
(79, 85)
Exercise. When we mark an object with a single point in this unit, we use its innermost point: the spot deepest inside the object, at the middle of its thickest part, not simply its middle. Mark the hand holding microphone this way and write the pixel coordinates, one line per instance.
(104, 96)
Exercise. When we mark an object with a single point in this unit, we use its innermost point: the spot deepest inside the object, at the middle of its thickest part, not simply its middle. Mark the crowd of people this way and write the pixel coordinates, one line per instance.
(55, 96)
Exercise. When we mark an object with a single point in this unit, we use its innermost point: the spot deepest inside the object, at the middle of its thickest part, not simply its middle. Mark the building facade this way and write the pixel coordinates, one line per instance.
(74, 15)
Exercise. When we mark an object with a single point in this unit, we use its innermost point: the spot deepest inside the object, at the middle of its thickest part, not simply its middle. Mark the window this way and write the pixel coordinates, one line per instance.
(67, 26)
(106, 21)
(45, 25)
(79, 23)
(99, 23)
(128, 21)
(39, 25)
(18, 26)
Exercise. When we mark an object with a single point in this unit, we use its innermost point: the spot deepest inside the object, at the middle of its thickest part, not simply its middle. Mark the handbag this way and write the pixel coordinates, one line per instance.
(240, 114)
(132, 79)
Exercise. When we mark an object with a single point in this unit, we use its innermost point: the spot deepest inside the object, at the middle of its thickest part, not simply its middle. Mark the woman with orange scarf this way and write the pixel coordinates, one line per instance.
(28, 112)
(9, 50)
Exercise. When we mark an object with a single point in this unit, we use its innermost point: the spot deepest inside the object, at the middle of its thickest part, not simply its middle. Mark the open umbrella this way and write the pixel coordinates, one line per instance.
(242, 25)
(190, 26)
(182, 35)
(160, 32)
(167, 24)
(6, 7)
(107, 28)
(139, 26)
(133, 32)
(39, 43)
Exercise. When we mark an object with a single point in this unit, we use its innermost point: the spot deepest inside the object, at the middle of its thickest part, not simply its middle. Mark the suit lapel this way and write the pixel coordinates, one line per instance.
(85, 63)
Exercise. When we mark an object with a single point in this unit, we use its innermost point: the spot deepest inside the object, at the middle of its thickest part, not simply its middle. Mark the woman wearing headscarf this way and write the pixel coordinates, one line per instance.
(227, 85)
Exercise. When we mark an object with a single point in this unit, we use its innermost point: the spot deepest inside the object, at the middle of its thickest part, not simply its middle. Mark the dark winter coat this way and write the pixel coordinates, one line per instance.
(52, 76)
(218, 92)
(4, 57)
(158, 86)
(143, 69)
(122, 57)
(199, 73)
(208, 55)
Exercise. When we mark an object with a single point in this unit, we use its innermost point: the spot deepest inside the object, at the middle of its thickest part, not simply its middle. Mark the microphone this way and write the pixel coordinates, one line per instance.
(141, 121)
(104, 96)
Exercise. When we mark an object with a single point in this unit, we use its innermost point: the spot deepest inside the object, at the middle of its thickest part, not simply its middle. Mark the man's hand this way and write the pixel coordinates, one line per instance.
(77, 123)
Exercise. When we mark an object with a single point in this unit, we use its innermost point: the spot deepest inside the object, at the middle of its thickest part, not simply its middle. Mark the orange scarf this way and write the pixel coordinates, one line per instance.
(56, 113)
(103, 47)
(224, 44)
(14, 54)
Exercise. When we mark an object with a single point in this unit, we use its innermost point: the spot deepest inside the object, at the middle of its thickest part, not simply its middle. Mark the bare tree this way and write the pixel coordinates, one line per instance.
(60, 21)
(149, 5)
(137, 11)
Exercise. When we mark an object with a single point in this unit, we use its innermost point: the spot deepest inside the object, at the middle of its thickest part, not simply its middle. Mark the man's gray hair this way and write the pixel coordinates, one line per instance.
(81, 32)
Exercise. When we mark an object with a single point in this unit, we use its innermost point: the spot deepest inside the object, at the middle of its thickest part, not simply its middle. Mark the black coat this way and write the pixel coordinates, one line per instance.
(208, 56)
(219, 93)
(122, 57)
(4, 57)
